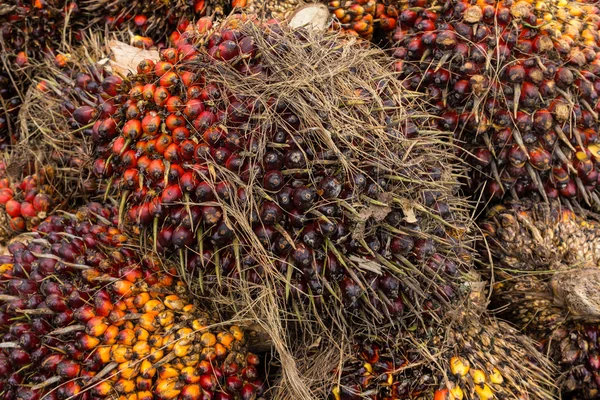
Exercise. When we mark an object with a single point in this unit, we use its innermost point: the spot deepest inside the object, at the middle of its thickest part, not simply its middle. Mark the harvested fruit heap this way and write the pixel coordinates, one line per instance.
(219, 154)
(546, 268)
(85, 315)
(475, 358)
(517, 82)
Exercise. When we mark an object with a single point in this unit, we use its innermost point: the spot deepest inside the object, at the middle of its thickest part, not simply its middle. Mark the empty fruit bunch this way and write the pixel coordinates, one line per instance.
(546, 261)
(84, 315)
(249, 168)
(517, 82)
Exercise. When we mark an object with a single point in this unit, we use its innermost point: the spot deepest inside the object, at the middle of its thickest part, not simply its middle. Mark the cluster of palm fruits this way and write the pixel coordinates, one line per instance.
(194, 163)
(516, 81)
(546, 269)
(367, 19)
(476, 359)
(86, 315)
(28, 201)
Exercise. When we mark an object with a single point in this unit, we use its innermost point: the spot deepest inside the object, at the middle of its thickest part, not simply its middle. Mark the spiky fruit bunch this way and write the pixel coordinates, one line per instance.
(474, 358)
(304, 197)
(84, 316)
(516, 81)
(266, 8)
(28, 201)
(546, 265)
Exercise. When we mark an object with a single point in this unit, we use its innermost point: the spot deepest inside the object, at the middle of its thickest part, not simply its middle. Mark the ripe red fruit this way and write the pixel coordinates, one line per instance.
(41, 202)
(5, 195)
(13, 208)
(171, 194)
(27, 210)
(132, 129)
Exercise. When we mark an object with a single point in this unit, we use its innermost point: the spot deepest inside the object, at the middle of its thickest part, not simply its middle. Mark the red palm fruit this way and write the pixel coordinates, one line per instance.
(85, 114)
(27, 210)
(5, 195)
(162, 142)
(171, 194)
(193, 109)
(174, 121)
(176, 171)
(19, 357)
(171, 153)
(174, 104)
(205, 120)
(156, 169)
(84, 313)
(162, 67)
(107, 129)
(130, 178)
(13, 208)
(180, 134)
(41, 203)
(161, 95)
(111, 85)
(151, 123)
(96, 326)
(168, 79)
(132, 129)
(145, 66)
(148, 92)
(182, 237)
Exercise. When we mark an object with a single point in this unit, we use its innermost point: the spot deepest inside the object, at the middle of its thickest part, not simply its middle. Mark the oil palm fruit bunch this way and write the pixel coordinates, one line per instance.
(516, 81)
(26, 201)
(266, 8)
(152, 21)
(86, 316)
(546, 261)
(191, 161)
(473, 357)
(28, 30)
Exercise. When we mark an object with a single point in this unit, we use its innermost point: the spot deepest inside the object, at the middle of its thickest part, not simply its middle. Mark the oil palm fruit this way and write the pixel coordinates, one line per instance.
(546, 271)
(86, 316)
(516, 81)
(266, 8)
(474, 358)
(192, 163)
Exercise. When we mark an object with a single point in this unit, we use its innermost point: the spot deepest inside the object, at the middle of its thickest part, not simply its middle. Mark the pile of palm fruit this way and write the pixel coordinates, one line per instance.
(305, 182)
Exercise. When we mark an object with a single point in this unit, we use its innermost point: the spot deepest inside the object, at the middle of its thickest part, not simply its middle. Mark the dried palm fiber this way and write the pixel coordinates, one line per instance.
(471, 356)
(545, 272)
(276, 160)
(516, 81)
(86, 314)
